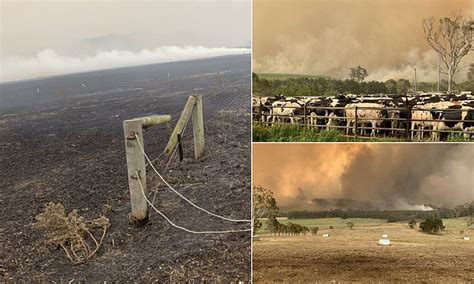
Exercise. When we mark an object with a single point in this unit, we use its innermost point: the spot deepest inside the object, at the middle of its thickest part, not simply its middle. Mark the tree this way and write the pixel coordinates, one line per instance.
(272, 224)
(350, 225)
(263, 205)
(432, 225)
(255, 78)
(469, 220)
(451, 38)
(391, 86)
(281, 228)
(403, 86)
(314, 231)
(358, 74)
(470, 74)
(412, 224)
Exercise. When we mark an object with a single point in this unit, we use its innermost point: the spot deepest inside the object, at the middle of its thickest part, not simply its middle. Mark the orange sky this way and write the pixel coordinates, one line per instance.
(424, 174)
(327, 37)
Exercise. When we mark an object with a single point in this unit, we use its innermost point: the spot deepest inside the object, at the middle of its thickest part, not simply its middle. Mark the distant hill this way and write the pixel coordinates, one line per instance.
(277, 76)
(137, 79)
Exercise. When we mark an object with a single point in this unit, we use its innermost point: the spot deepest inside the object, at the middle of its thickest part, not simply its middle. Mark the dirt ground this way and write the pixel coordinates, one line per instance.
(71, 150)
(354, 255)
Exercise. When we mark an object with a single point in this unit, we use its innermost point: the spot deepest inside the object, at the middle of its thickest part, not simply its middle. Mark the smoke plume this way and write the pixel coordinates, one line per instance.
(329, 37)
(390, 176)
(48, 62)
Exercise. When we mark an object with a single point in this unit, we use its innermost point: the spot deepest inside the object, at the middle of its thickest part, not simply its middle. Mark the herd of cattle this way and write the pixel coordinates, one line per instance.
(436, 114)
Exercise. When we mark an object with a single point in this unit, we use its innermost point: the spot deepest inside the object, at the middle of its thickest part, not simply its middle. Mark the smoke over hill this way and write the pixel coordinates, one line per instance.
(387, 176)
(48, 62)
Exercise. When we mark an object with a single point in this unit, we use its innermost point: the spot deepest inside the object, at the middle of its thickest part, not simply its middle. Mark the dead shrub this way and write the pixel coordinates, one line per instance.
(72, 232)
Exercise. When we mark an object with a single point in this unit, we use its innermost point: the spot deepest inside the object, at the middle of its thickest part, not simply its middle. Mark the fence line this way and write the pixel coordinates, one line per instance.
(180, 227)
(310, 119)
(182, 196)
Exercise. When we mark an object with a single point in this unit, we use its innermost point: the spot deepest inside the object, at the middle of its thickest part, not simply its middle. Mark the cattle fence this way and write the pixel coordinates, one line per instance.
(398, 122)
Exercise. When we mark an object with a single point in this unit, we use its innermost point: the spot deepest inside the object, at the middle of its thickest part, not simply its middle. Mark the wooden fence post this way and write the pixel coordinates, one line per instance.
(136, 162)
(198, 128)
(183, 119)
(355, 123)
(304, 112)
(408, 120)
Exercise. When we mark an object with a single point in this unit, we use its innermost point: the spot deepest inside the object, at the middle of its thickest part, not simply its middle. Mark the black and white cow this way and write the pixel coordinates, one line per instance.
(291, 109)
(262, 106)
(452, 116)
(443, 116)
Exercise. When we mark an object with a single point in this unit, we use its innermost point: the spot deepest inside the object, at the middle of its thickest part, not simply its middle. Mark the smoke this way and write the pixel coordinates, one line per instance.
(425, 63)
(329, 37)
(48, 62)
(390, 176)
(346, 204)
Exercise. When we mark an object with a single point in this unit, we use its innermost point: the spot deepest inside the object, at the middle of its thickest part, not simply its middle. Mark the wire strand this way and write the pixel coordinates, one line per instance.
(180, 195)
(180, 227)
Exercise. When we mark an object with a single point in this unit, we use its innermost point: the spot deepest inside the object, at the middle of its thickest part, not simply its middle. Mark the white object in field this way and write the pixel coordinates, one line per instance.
(466, 238)
(37, 90)
(384, 242)
(325, 235)
(384, 236)
(83, 85)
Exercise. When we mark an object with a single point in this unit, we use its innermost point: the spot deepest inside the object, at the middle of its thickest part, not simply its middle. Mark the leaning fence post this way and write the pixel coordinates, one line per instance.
(198, 128)
(183, 119)
(355, 123)
(136, 163)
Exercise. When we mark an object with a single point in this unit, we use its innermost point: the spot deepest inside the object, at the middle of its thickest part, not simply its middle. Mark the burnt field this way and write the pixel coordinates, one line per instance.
(61, 140)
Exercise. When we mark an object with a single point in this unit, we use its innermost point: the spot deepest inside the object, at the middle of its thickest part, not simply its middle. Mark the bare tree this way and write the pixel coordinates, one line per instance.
(358, 74)
(451, 37)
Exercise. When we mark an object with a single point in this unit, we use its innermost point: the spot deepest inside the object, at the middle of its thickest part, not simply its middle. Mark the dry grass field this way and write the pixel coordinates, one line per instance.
(354, 255)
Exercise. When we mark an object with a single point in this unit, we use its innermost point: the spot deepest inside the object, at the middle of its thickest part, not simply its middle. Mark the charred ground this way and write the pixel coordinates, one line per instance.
(65, 144)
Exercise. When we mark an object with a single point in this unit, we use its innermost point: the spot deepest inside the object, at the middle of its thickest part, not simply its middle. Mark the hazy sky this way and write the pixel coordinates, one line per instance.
(327, 37)
(391, 173)
(83, 33)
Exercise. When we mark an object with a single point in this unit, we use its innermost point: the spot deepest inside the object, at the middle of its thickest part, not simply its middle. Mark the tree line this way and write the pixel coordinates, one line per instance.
(290, 229)
(462, 210)
(323, 86)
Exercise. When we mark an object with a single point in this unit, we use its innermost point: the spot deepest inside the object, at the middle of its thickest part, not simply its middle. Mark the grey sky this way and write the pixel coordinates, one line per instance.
(84, 28)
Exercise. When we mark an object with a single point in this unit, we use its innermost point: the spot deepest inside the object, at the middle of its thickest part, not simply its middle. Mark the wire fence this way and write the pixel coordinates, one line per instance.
(366, 122)
(169, 186)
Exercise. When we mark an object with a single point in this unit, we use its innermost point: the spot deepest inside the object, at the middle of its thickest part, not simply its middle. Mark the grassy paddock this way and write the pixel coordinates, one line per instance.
(300, 133)
(453, 226)
(324, 223)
